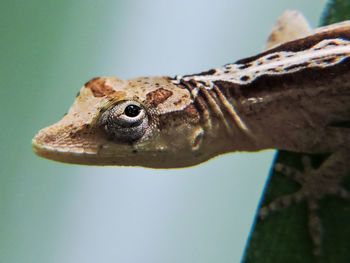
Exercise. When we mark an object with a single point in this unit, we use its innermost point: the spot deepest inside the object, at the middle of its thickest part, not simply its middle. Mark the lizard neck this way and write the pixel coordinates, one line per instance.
(219, 110)
(243, 103)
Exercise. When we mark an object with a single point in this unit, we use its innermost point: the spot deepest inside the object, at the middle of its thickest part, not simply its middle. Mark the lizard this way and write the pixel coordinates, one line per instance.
(291, 96)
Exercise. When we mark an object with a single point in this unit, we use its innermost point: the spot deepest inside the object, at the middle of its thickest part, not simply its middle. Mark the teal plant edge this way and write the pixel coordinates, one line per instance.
(284, 236)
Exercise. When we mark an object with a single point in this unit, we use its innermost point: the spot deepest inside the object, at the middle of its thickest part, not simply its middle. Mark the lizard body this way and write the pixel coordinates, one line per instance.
(294, 96)
(284, 98)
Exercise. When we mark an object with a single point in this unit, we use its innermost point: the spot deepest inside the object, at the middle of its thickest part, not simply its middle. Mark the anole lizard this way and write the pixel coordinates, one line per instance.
(290, 97)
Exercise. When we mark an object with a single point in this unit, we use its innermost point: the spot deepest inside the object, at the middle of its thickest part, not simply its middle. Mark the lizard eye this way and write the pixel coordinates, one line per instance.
(125, 121)
(132, 110)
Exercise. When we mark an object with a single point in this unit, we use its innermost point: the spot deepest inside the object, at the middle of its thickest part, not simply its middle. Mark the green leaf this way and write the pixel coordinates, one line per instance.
(283, 236)
(335, 11)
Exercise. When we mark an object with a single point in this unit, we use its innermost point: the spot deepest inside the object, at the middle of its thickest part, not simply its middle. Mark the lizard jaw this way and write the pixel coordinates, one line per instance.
(108, 153)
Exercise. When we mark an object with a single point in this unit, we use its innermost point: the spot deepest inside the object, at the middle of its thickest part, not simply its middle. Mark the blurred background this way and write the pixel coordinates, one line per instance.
(52, 212)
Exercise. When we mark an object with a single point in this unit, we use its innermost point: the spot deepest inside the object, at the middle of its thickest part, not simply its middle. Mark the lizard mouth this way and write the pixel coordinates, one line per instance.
(85, 149)
(91, 154)
(61, 154)
(62, 146)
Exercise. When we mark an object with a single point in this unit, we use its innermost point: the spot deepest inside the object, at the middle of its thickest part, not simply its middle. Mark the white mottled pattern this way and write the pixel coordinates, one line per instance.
(326, 53)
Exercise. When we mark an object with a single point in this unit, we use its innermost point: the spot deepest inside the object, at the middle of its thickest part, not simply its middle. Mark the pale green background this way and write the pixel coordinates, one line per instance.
(51, 212)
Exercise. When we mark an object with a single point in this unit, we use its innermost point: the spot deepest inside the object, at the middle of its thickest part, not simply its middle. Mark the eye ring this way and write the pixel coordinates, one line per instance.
(125, 121)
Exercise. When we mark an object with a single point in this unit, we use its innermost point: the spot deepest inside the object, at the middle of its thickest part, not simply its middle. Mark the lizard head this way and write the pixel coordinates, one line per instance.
(147, 122)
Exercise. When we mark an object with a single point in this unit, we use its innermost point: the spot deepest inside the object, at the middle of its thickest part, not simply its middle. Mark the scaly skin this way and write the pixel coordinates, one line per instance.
(290, 97)
(285, 98)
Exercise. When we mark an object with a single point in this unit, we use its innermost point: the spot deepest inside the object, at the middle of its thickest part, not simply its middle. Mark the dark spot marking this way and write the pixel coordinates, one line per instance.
(158, 96)
(99, 88)
(204, 73)
(275, 56)
(298, 66)
(245, 78)
(329, 60)
(245, 66)
(134, 151)
(77, 94)
(209, 72)
(177, 102)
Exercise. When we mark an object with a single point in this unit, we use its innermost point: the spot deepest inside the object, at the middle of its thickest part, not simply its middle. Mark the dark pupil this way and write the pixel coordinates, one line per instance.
(132, 110)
